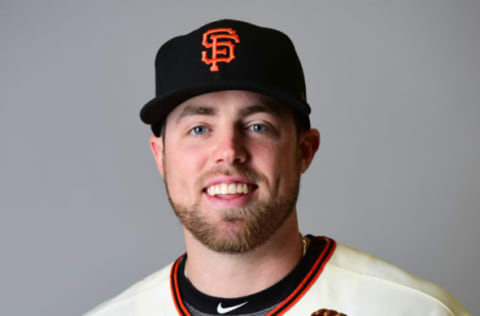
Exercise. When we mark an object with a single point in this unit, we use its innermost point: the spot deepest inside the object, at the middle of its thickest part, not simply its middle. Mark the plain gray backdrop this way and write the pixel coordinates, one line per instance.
(394, 87)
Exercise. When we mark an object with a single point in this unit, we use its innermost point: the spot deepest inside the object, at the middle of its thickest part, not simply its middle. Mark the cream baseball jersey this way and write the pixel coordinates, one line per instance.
(332, 279)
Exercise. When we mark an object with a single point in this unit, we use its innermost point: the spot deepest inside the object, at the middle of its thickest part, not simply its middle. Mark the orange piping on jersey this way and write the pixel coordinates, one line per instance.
(283, 305)
(181, 309)
(286, 304)
(314, 278)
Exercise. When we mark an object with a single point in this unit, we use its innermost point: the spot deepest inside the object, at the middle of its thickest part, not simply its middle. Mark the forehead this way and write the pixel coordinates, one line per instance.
(235, 102)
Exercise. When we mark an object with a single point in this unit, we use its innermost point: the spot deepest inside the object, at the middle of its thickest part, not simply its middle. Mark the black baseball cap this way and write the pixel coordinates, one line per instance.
(227, 55)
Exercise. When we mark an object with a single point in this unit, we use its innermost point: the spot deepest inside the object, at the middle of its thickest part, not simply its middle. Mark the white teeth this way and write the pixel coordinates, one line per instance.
(239, 188)
(223, 188)
(231, 188)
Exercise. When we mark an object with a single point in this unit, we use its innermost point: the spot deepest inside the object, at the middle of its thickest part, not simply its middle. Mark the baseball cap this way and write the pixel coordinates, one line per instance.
(227, 55)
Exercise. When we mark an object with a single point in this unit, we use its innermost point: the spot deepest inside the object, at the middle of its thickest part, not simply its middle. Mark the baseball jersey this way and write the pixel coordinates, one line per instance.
(330, 277)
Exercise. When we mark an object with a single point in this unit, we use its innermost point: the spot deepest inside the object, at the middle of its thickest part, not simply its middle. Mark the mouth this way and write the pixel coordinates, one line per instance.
(232, 189)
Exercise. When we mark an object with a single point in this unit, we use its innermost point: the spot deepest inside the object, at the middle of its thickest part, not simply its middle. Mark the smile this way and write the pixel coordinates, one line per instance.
(229, 188)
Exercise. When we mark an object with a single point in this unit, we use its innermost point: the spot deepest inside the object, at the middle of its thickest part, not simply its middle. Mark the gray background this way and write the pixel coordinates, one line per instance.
(395, 90)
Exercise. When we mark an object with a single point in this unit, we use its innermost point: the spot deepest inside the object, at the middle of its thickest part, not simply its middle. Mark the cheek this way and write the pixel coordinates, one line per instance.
(278, 163)
(277, 153)
(183, 167)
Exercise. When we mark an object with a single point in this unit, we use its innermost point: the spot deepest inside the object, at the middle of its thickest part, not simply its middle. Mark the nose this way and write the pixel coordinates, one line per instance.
(230, 148)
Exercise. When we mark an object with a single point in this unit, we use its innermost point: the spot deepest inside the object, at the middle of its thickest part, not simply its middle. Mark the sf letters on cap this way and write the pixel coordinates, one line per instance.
(213, 39)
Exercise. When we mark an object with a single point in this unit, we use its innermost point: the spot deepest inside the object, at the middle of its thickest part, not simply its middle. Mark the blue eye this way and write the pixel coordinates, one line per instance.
(259, 128)
(198, 130)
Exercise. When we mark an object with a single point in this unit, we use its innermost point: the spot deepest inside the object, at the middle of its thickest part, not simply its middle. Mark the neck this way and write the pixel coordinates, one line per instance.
(234, 275)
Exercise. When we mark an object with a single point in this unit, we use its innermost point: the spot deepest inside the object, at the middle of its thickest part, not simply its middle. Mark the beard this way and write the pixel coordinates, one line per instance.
(240, 229)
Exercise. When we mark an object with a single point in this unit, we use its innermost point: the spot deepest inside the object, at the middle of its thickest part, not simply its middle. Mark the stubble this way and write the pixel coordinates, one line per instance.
(240, 229)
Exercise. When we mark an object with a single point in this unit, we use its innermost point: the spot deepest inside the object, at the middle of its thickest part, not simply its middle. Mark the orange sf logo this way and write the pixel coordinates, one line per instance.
(213, 39)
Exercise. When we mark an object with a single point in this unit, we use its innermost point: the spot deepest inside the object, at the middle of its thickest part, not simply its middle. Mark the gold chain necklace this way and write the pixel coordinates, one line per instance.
(304, 244)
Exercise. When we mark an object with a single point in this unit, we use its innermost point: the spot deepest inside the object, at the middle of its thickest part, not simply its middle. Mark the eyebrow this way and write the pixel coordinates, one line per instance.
(260, 108)
(192, 110)
(196, 110)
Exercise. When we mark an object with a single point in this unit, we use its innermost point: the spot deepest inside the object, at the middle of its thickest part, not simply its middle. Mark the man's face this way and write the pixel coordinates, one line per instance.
(231, 162)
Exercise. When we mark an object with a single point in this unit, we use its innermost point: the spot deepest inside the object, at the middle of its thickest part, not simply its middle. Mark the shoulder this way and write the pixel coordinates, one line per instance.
(371, 277)
(143, 297)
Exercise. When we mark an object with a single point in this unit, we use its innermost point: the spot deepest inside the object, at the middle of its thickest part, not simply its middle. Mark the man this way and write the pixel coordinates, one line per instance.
(231, 138)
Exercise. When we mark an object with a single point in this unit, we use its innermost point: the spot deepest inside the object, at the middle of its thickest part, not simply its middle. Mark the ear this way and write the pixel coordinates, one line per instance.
(156, 145)
(309, 143)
